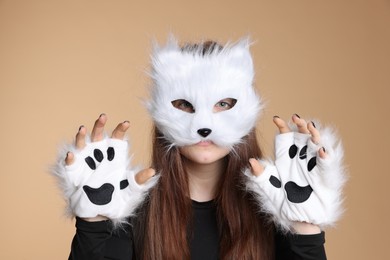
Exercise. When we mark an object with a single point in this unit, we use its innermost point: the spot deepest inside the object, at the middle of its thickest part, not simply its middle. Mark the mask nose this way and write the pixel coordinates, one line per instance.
(204, 132)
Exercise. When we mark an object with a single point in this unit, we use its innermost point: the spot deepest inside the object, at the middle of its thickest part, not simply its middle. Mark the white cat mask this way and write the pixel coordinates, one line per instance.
(203, 79)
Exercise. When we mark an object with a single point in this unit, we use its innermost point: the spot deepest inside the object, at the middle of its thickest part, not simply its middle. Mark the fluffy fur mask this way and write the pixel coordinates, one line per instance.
(197, 78)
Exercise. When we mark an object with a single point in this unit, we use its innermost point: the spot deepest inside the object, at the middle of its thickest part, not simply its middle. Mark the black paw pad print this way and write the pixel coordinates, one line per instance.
(103, 194)
(99, 157)
(296, 193)
(292, 152)
(100, 196)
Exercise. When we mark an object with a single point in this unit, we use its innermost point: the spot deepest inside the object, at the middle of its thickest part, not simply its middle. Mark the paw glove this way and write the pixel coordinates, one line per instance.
(100, 181)
(301, 186)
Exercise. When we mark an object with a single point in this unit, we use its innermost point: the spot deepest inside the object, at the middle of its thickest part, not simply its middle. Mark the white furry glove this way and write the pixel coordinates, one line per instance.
(100, 181)
(301, 186)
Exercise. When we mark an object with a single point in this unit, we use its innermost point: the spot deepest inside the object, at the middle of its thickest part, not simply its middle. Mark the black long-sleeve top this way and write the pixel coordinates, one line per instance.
(98, 241)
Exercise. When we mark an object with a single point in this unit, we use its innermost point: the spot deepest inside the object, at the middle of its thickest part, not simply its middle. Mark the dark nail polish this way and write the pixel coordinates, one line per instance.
(313, 124)
(297, 115)
(323, 149)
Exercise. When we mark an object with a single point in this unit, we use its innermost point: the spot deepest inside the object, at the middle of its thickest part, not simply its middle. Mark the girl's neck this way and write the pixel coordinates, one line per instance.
(203, 179)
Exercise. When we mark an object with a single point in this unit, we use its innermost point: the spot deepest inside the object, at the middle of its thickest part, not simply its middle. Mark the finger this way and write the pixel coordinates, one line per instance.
(315, 134)
(80, 137)
(301, 124)
(120, 131)
(144, 175)
(322, 153)
(69, 159)
(256, 167)
(281, 124)
(98, 128)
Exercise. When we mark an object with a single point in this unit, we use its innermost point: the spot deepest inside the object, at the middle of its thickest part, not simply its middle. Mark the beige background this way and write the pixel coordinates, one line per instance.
(62, 63)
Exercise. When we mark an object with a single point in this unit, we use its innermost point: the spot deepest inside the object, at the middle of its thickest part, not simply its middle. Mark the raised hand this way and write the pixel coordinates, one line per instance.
(305, 182)
(96, 176)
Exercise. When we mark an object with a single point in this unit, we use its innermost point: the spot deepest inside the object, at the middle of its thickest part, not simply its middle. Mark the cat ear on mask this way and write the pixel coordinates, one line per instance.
(166, 59)
(171, 44)
(240, 56)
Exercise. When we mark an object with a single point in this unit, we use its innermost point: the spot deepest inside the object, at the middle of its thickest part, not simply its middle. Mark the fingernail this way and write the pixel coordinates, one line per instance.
(323, 149)
(313, 124)
(276, 117)
(297, 115)
(81, 127)
(126, 121)
(102, 114)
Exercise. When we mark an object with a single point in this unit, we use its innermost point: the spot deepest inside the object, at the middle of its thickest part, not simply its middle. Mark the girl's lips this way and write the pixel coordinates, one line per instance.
(205, 143)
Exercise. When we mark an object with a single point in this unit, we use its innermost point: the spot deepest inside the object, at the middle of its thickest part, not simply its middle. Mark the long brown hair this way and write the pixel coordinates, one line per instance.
(164, 222)
(163, 225)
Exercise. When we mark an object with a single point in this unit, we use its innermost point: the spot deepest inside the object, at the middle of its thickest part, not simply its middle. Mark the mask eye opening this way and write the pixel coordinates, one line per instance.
(224, 104)
(183, 105)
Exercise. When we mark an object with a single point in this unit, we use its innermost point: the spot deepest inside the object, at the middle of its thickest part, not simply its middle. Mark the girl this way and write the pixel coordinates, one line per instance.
(213, 196)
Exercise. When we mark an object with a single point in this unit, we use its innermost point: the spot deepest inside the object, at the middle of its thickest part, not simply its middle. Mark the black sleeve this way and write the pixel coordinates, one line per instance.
(299, 247)
(98, 241)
